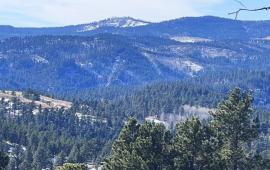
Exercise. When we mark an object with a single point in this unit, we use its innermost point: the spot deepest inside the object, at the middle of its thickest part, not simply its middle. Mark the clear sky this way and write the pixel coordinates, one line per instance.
(40, 13)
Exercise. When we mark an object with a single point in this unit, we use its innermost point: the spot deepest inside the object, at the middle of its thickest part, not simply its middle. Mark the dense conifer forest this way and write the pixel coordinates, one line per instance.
(38, 138)
(227, 140)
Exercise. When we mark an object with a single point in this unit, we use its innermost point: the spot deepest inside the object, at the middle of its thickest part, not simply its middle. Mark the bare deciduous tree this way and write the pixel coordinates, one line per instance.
(236, 13)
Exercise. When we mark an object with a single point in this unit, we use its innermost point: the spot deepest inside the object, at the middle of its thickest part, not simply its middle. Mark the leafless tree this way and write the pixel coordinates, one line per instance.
(244, 8)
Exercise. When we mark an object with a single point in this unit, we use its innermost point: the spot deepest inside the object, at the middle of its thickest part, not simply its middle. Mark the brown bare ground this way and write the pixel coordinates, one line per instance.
(45, 102)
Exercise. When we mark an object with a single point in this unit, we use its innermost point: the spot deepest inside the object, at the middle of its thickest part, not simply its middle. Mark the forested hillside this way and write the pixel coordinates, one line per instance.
(235, 53)
(39, 135)
(81, 63)
(228, 140)
(68, 93)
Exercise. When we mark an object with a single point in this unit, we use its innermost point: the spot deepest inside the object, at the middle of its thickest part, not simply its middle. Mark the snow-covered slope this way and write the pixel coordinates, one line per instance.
(123, 22)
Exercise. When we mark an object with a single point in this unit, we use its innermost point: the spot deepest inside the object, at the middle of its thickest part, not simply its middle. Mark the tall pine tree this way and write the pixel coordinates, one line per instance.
(234, 121)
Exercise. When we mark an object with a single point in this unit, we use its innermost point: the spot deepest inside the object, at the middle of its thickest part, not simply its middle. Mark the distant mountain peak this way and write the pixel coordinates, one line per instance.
(116, 22)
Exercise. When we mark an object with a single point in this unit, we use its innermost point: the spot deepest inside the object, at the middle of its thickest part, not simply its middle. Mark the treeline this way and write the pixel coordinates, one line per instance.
(226, 141)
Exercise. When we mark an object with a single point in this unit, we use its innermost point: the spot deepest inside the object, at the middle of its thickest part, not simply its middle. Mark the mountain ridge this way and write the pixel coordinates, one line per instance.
(184, 49)
(141, 20)
(221, 28)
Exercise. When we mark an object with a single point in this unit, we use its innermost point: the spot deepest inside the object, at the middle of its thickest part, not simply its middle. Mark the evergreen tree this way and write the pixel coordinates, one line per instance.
(16, 158)
(74, 155)
(151, 145)
(196, 146)
(40, 158)
(12, 164)
(234, 121)
(60, 159)
(140, 147)
(188, 144)
(4, 160)
(122, 149)
(69, 166)
(27, 160)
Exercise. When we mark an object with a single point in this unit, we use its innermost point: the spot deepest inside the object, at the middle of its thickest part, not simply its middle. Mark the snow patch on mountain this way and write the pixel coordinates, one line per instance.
(187, 39)
(181, 64)
(151, 59)
(115, 71)
(266, 38)
(89, 28)
(192, 66)
(85, 64)
(134, 23)
(2, 56)
(217, 52)
(124, 22)
(39, 59)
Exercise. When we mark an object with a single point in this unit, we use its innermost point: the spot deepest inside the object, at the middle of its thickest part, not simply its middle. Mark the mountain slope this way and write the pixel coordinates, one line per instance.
(59, 63)
(207, 27)
(119, 52)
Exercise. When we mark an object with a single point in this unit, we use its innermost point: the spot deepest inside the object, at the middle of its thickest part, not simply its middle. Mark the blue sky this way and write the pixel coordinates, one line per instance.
(40, 13)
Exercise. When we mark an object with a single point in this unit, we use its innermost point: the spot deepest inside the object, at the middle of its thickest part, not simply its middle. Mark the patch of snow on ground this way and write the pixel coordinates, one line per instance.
(89, 28)
(192, 66)
(266, 38)
(154, 119)
(186, 39)
(180, 64)
(151, 59)
(116, 69)
(114, 22)
(133, 23)
(216, 52)
(2, 56)
(39, 59)
(84, 65)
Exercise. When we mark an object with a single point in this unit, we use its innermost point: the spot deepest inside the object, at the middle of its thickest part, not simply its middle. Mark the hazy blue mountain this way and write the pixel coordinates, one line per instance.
(107, 25)
(207, 27)
(199, 27)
